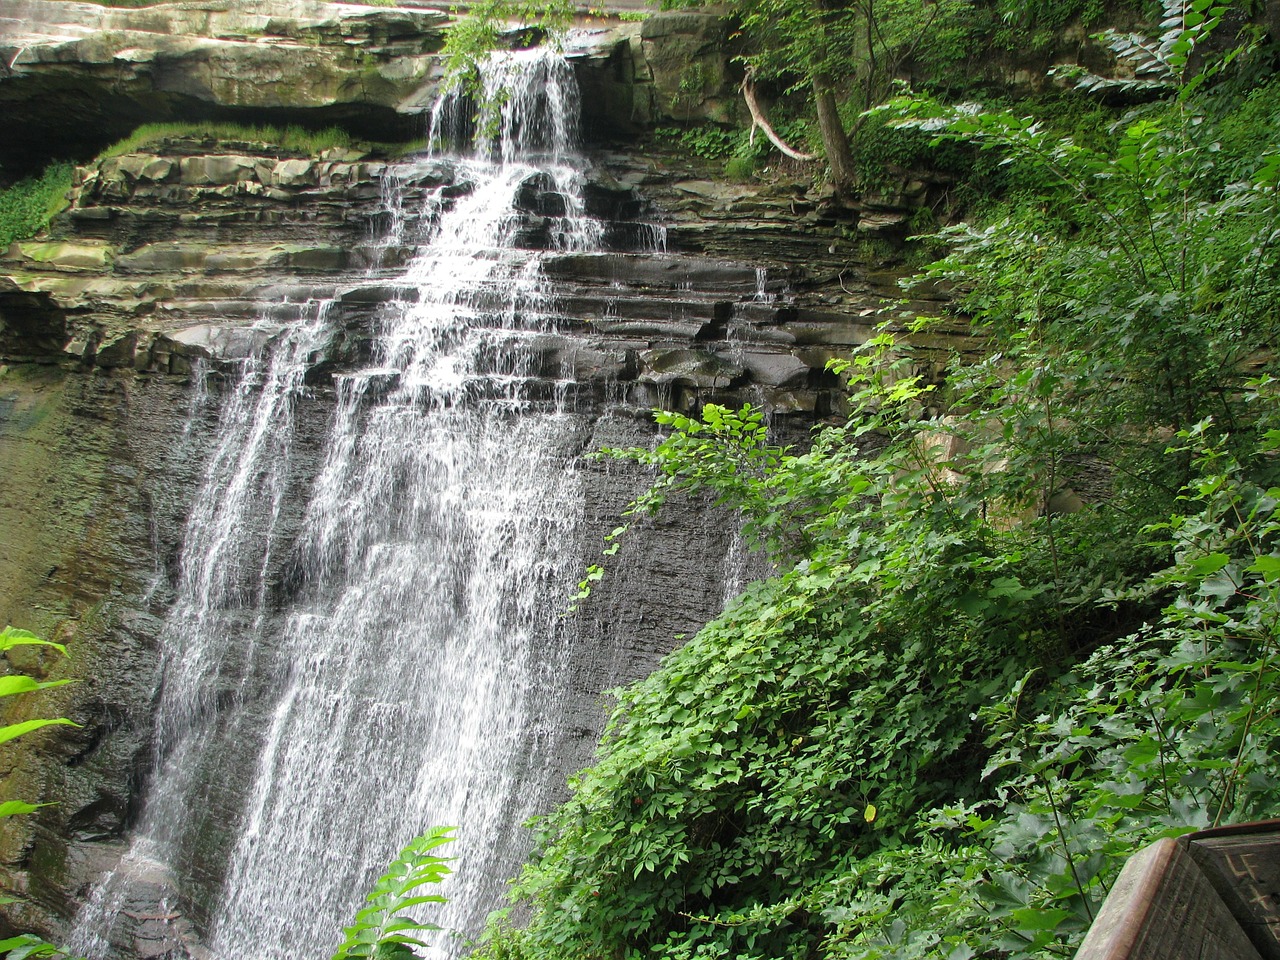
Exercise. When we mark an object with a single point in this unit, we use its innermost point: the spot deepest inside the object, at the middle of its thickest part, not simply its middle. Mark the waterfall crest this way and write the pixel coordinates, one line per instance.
(400, 667)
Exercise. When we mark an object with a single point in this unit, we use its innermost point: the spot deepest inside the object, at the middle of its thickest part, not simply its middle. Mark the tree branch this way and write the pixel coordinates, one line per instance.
(758, 119)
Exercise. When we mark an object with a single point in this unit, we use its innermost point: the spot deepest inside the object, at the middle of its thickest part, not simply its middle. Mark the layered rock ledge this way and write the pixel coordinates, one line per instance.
(198, 250)
(102, 71)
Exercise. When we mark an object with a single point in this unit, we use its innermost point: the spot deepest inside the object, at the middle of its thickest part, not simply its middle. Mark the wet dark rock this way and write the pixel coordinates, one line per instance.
(688, 368)
(537, 195)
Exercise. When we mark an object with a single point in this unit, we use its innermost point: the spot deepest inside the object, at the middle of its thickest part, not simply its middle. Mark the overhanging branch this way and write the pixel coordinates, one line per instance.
(758, 119)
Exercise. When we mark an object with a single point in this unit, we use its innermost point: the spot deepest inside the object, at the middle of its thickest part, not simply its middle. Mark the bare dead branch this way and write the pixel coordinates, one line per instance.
(758, 119)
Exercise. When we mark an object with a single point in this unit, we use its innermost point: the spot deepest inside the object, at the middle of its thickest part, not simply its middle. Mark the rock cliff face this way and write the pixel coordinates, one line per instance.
(102, 71)
(119, 331)
(167, 255)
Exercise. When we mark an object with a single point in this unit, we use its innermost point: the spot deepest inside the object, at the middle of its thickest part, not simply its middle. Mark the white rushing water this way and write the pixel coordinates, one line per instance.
(409, 678)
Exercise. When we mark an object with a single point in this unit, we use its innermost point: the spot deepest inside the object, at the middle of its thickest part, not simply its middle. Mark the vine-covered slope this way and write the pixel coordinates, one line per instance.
(1024, 619)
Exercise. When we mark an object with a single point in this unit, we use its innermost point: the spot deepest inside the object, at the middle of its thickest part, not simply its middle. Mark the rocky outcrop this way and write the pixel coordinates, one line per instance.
(193, 250)
(77, 76)
(159, 242)
(99, 471)
(671, 67)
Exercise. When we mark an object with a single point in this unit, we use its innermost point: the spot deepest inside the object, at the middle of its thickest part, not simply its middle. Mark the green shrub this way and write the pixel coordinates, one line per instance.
(29, 205)
(705, 141)
(1250, 129)
(712, 142)
(942, 726)
(382, 930)
(739, 168)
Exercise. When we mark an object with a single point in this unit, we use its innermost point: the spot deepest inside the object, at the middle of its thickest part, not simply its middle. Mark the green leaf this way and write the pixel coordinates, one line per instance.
(1206, 565)
(15, 730)
(380, 928)
(12, 637)
(1221, 585)
(28, 945)
(14, 808)
(1039, 918)
(1268, 566)
(1142, 752)
(18, 683)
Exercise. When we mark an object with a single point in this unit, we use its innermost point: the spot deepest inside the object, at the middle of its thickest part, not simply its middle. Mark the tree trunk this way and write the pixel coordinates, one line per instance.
(834, 140)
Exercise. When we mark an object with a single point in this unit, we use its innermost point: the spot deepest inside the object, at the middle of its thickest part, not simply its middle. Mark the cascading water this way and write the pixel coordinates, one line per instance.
(408, 679)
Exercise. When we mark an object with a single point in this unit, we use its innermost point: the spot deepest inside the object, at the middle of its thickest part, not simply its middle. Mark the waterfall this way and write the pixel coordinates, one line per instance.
(391, 657)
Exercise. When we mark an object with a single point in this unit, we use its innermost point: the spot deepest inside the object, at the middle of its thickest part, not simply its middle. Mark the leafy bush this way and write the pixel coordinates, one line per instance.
(707, 141)
(24, 945)
(741, 153)
(942, 726)
(17, 683)
(382, 931)
(1249, 130)
(27, 207)
(1169, 730)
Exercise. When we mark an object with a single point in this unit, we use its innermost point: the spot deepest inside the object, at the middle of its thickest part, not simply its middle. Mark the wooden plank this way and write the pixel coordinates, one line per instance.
(1243, 864)
(1163, 907)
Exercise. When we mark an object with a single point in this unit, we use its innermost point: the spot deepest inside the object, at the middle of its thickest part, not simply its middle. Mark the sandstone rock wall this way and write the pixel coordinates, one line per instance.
(77, 76)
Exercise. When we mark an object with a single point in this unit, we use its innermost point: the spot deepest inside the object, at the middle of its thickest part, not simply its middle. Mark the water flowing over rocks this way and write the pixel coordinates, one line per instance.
(140, 327)
(75, 77)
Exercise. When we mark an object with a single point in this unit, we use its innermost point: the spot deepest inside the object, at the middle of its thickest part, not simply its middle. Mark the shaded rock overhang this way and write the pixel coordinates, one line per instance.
(75, 77)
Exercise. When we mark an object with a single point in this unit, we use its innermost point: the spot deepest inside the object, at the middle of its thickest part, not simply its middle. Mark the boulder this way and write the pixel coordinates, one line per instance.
(687, 54)
(121, 352)
(685, 367)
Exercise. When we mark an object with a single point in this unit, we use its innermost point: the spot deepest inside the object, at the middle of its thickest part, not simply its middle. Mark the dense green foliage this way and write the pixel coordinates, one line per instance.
(27, 206)
(847, 56)
(382, 930)
(1025, 615)
(824, 62)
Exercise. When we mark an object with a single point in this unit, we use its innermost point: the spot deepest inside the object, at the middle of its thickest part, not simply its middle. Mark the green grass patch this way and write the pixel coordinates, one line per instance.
(396, 151)
(28, 205)
(289, 138)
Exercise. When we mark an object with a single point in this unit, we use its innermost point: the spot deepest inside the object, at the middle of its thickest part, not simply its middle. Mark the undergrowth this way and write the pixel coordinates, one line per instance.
(1025, 617)
(28, 206)
(294, 138)
(741, 153)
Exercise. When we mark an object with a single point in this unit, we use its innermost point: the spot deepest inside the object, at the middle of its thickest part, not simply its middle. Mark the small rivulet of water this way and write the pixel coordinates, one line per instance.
(407, 679)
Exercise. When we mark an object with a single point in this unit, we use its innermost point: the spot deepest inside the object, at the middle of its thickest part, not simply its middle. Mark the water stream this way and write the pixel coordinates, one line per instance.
(409, 678)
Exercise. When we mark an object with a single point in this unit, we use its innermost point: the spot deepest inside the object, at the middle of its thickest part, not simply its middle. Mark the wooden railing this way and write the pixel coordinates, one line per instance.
(1213, 895)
